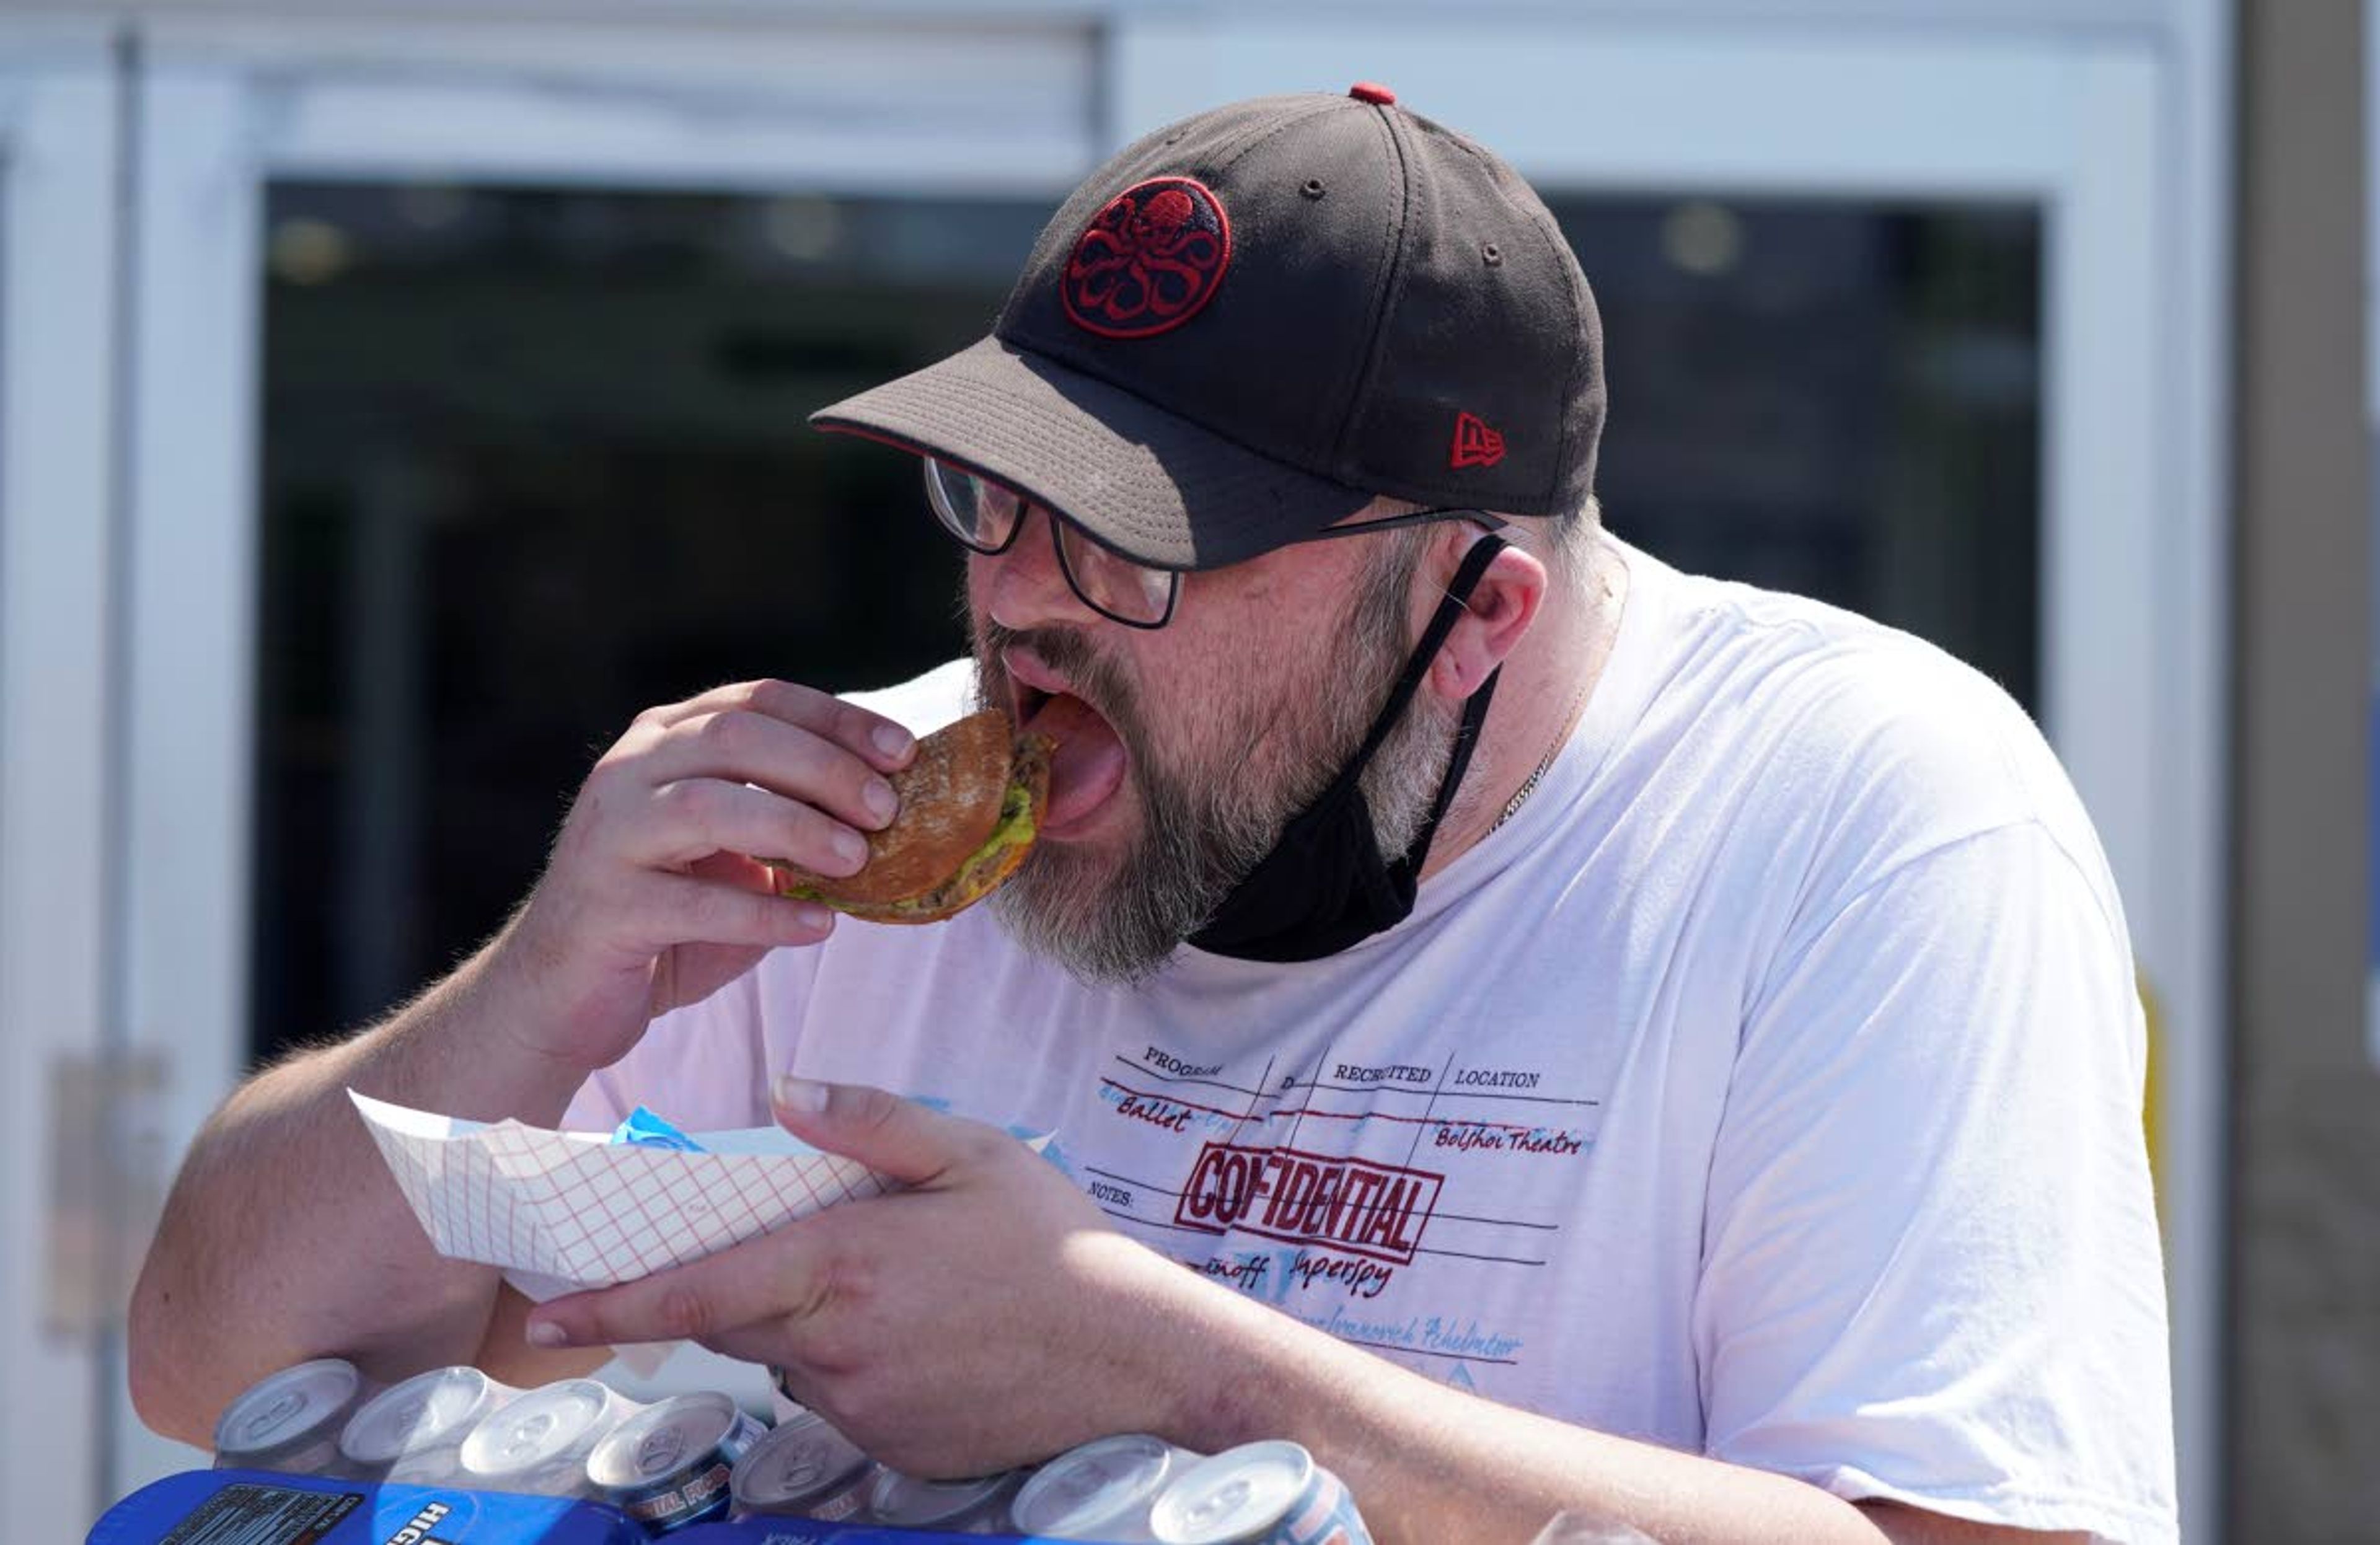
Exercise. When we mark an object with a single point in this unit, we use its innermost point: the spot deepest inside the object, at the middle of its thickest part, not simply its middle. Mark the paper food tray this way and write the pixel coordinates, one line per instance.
(566, 1210)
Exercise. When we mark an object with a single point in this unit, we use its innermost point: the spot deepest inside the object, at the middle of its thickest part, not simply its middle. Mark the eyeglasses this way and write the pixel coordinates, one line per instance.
(986, 516)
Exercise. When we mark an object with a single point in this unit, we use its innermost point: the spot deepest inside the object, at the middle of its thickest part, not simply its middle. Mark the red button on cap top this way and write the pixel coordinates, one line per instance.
(1373, 92)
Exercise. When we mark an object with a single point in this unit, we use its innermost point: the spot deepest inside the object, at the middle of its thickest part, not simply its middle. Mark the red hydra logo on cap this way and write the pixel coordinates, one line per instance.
(1148, 261)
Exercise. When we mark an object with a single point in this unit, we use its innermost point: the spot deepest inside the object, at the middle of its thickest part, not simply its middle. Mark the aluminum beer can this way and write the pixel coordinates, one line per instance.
(418, 1426)
(668, 1467)
(803, 1469)
(978, 1505)
(290, 1421)
(438, 1467)
(1270, 1493)
(1103, 1490)
(539, 1443)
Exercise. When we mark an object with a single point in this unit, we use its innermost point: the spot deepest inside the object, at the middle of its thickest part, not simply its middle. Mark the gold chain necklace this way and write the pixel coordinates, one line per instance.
(1598, 656)
(1562, 738)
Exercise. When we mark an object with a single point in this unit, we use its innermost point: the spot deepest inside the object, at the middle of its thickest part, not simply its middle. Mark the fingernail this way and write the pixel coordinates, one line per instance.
(801, 1094)
(813, 917)
(545, 1332)
(881, 801)
(891, 739)
(849, 846)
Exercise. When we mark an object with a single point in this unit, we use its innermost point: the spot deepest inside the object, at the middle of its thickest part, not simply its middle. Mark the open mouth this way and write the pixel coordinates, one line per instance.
(1025, 701)
(1090, 762)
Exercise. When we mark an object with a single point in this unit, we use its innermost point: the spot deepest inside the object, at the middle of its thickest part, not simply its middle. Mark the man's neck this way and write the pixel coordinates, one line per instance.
(1547, 683)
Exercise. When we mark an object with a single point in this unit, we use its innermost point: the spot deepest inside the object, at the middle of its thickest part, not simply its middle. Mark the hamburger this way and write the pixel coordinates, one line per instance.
(970, 801)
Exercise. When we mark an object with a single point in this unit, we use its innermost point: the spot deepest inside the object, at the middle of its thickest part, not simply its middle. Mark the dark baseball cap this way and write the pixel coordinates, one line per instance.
(1246, 325)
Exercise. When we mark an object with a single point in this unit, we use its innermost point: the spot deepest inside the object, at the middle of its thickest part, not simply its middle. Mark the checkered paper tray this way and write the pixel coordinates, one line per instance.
(566, 1210)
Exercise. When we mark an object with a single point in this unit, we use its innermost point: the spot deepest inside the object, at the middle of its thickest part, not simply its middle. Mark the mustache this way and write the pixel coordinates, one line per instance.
(1098, 680)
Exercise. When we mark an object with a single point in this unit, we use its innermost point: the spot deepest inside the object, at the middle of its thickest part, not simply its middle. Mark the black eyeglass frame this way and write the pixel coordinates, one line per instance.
(948, 519)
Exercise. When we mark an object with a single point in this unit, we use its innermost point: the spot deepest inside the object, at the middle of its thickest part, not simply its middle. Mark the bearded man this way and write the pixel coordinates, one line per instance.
(1549, 1033)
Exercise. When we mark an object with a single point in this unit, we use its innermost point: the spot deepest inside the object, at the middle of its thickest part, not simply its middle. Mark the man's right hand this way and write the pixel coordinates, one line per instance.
(652, 898)
(649, 901)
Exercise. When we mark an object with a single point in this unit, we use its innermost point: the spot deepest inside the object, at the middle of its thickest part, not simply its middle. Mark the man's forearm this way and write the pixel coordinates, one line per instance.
(1429, 1463)
(284, 1237)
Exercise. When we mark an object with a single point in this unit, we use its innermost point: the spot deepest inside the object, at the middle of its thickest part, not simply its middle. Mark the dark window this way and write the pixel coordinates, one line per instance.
(1838, 399)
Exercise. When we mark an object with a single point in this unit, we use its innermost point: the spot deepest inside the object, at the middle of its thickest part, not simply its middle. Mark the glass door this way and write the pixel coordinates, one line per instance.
(1906, 318)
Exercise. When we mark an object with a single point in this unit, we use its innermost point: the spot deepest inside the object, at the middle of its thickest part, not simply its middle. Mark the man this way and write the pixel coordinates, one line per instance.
(1601, 1040)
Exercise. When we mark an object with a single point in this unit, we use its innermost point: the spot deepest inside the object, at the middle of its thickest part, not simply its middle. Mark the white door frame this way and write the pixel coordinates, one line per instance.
(57, 243)
(2110, 131)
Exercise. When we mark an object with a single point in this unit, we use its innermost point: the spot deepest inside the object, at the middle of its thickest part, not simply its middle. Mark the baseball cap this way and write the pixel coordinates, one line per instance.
(1246, 325)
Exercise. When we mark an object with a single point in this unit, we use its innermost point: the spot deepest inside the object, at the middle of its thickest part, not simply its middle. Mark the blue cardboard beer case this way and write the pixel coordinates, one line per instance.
(255, 1507)
(810, 1531)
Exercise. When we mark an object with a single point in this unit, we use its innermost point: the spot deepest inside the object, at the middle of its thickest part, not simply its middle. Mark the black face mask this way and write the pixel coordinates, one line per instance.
(1324, 885)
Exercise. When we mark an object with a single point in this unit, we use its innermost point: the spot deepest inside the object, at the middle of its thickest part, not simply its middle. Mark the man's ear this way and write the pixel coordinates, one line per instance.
(1501, 608)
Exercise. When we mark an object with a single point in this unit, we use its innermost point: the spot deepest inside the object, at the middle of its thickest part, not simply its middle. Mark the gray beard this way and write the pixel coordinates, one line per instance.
(1202, 833)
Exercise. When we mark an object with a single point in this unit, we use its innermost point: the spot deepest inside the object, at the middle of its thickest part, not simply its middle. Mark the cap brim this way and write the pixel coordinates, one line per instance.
(1151, 484)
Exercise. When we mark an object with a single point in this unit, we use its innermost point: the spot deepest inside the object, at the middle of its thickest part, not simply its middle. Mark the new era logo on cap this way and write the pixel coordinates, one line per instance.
(1474, 444)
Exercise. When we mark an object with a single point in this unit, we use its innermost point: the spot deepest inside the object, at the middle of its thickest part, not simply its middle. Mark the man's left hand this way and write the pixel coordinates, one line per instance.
(985, 1317)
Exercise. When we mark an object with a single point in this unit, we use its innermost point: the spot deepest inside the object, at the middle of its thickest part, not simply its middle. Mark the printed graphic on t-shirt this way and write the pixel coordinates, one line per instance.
(1330, 1190)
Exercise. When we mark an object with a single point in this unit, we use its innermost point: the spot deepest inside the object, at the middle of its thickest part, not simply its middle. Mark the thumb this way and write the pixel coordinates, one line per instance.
(892, 1135)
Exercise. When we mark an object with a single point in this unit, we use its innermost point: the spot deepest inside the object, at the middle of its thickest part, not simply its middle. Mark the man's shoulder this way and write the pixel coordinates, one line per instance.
(1859, 695)
(1853, 736)
(1794, 647)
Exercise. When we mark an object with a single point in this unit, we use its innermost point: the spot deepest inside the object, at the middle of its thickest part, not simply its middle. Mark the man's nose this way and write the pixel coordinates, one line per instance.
(1023, 588)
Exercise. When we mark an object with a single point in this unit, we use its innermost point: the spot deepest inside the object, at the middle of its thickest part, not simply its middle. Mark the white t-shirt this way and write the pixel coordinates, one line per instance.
(1769, 1087)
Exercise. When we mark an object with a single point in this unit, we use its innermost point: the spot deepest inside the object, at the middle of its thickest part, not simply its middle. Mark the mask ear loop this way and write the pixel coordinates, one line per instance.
(1433, 639)
(1325, 885)
(1475, 712)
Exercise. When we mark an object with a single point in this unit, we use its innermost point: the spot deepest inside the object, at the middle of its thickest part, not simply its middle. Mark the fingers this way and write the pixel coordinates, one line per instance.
(768, 768)
(742, 745)
(771, 1278)
(697, 817)
(892, 1135)
(653, 856)
(885, 744)
(683, 908)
